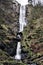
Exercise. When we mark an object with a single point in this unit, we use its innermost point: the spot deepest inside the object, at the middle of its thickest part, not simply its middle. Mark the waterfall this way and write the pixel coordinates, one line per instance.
(22, 23)
(22, 18)
(18, 55)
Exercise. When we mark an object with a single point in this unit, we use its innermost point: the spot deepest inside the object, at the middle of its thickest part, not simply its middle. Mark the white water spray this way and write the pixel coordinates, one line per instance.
(22, 23)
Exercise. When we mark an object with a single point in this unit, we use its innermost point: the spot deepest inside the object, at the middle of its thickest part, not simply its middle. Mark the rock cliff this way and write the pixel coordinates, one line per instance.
(32, 36)
(9, 26)
(32, 44)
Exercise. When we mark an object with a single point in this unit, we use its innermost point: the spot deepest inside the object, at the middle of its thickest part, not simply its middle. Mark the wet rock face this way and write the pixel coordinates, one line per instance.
(9, 25)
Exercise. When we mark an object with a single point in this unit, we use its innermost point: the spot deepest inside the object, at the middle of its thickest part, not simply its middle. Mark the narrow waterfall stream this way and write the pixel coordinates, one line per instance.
(22, 23)
(22, 18)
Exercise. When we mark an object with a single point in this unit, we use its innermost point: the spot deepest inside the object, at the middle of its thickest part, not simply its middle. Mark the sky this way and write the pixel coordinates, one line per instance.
(25, 2)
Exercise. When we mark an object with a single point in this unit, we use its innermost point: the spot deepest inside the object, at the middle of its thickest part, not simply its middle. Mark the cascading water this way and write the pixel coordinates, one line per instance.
(22, 18)
(22, 23)
(18, 55)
